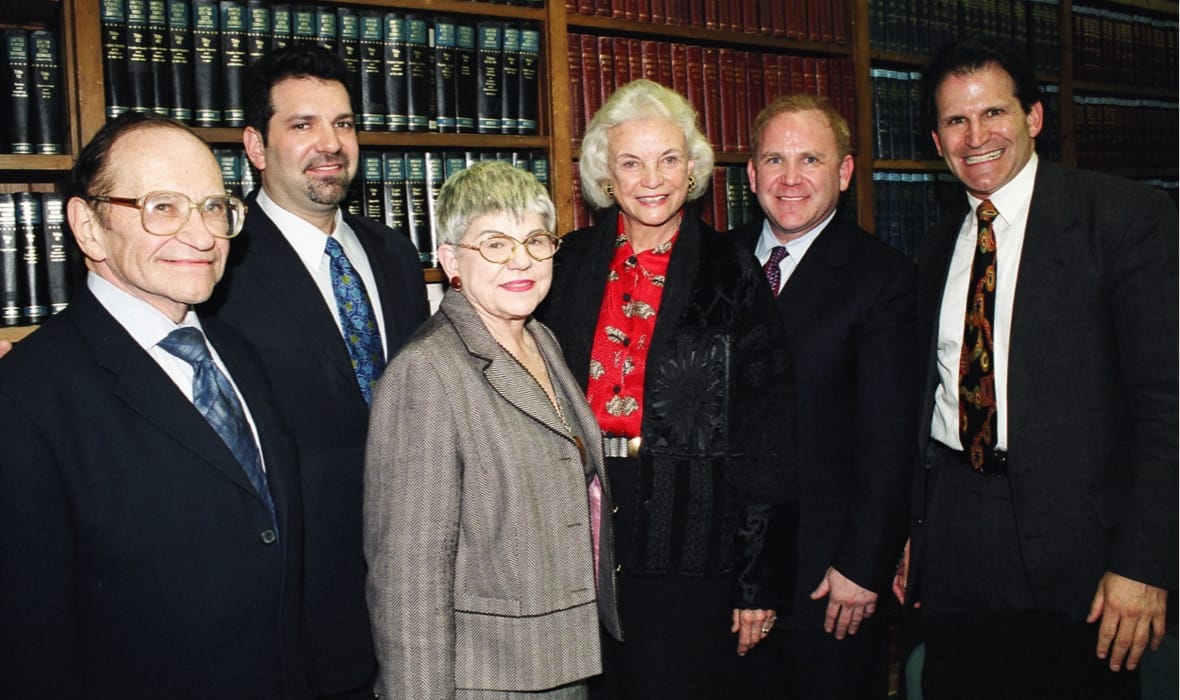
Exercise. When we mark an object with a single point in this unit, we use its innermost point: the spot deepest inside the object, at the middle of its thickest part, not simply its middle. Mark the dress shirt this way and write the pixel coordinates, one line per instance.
(308, 242)
(147, 326)
(796, 248)
(1012, 201)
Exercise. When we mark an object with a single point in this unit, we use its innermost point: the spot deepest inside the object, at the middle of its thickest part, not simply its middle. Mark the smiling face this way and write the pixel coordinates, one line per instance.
(798, 174)
(506, 293)
(168, 272)
(310, 154)
(983, 133)
(649, 167)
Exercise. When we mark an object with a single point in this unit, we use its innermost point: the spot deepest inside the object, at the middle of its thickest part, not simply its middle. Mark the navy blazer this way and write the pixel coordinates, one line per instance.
(136, 561)
(270, 299)
(1092, 384)
(849, 315)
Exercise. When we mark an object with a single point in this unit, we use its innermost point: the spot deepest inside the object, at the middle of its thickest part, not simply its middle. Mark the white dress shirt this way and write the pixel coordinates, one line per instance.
(796, 248)
(1012, 202)
(308, 242)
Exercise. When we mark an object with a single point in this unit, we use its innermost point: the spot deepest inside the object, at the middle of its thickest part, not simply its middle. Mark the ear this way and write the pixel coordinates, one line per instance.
(87, 229)
(752, 174)
(446, 258)
(255, 148)
(937, 142)
(1035, 119)
(846, 167)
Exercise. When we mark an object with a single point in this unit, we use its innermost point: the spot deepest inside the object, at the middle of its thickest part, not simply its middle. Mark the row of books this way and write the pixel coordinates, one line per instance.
(30, 93)
(906, 205)
(1120, 47)
(397, 187)
(727, 86)
(920, 26)
(902, 132)
(817, 20)
(410, 72)
(1114, 132)
(35, 257)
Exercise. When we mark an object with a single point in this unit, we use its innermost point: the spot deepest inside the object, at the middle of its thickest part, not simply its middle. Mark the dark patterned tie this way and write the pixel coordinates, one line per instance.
(361, 334)
(977, 386)
(773, 274)
(216, 400)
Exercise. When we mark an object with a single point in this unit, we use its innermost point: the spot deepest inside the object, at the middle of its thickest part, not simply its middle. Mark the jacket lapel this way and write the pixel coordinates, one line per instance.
(815, 277)
(504, 374)
(140, 383)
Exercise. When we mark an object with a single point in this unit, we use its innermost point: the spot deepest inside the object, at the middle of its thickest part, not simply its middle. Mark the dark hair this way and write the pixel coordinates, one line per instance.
(293, 61)
(91, 174)
(960, 56)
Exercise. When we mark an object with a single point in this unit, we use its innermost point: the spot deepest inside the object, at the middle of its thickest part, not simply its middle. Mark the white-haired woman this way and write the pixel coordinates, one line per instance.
(672, 332)
(489, 561)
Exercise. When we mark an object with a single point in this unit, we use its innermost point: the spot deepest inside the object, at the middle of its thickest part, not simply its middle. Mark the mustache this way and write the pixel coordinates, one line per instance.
(327, 160)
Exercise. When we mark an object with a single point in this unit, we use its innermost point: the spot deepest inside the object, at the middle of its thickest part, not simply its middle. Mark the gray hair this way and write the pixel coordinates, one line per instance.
(489, 187)
(639, 100)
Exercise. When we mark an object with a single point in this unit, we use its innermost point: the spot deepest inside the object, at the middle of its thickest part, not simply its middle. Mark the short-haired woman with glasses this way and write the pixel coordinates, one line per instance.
(489, 557)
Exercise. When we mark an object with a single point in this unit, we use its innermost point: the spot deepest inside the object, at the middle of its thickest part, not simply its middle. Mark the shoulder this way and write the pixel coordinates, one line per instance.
(870, 250)
(378, 236)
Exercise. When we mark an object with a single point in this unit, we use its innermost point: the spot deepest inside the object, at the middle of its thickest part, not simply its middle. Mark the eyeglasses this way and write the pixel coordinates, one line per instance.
(165, 213)
(499, 248)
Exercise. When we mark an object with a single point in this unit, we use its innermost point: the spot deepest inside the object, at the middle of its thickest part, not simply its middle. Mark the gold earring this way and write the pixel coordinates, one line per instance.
(692, 183)
(609, 189)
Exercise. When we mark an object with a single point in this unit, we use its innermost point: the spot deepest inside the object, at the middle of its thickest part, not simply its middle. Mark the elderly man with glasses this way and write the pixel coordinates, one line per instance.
(150, 518)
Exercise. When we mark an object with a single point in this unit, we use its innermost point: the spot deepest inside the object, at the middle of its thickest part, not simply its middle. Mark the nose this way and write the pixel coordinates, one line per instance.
(976, 133)
(520, 259)
(791, 173)
(327, 140)
(195, 234)
(652, 177)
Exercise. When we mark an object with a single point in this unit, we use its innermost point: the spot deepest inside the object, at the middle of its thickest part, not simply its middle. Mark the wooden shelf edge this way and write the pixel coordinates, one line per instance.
(1125, 89)
(37, 163)
(458, 7)
(15, 333)
(923, 165)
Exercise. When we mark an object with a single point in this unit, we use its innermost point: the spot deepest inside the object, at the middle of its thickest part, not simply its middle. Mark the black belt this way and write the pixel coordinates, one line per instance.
(994, 461)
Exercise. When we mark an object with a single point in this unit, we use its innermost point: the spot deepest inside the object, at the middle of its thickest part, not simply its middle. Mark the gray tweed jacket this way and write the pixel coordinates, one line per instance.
(477, 531)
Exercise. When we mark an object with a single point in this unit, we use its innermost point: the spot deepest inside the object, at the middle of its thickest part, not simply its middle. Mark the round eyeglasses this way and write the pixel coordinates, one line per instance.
(165, 213)
(499, 248)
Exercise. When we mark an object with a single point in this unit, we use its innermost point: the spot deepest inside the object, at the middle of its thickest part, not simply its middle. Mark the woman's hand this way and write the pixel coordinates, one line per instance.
(751, 627)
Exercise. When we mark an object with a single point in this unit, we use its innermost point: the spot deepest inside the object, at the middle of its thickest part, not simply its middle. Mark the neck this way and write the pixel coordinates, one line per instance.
(644, 237)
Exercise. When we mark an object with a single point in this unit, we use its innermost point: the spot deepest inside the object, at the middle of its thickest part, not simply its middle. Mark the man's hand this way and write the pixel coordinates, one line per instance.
(751, 626)
(849, 605)
(902, 575)
(1131, 612)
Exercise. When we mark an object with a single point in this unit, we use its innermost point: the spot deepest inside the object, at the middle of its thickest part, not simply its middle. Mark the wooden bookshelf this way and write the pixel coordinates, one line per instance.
(78, 22)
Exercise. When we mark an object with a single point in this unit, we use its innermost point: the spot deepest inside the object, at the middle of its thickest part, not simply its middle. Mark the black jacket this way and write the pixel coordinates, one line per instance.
(716, 485)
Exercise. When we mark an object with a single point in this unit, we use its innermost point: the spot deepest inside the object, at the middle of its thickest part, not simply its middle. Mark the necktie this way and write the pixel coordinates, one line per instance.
(361, 334)
(977, 394)
(773, 274)
(215, 398)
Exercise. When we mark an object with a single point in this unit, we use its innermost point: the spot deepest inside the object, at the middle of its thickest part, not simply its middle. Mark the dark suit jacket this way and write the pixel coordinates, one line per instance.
(849, 315)
(1092, 423)
(717, 411)
(136, 561)
(269, 298)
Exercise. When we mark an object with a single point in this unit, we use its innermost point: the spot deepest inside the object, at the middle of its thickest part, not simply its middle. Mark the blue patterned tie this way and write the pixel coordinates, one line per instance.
(361, 334)
(215, 398)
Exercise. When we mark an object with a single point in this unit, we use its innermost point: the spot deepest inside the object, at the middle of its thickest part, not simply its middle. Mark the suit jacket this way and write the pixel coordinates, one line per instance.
(849, 316)
(270, 299)
(136, 561)
(1092, 377)
(716, 484)
(476, 518)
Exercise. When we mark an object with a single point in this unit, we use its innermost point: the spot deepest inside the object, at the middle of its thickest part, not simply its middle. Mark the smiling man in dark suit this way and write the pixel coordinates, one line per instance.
(150, 524)
(1048, 322)
(847, 304)
(291, 289)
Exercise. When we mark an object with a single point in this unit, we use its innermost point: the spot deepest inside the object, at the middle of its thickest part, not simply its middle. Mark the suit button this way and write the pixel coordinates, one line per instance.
(268, 537)
(921, 521)
(618, 568)
(614, 510)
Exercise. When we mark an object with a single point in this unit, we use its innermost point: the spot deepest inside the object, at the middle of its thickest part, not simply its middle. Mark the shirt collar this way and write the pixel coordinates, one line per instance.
(796, 248)
(144, 322)
(306, 238)
(1013, 199)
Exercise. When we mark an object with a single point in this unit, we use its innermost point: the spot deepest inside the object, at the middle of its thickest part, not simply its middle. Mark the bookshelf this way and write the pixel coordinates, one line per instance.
(749, 28)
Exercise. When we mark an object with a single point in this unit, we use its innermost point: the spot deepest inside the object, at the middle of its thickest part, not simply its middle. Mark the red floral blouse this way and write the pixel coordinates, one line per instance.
(618, 357)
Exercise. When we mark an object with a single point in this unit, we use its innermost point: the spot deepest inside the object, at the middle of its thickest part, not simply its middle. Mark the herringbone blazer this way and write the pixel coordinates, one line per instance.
(481, 573)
